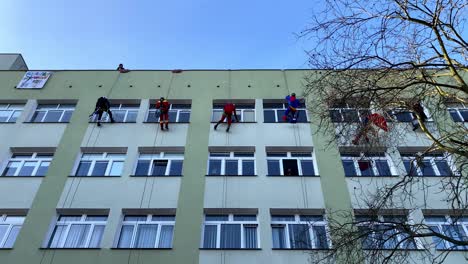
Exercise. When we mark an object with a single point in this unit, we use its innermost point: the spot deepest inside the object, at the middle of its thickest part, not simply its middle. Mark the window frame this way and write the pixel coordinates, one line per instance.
(11, 224)
(356, 157)
(412, 157)
(297, 220)
(231, 220)
(115, 107)
(448, 222)
(148, 221)
(178, 111)
(104, 157)
(285, 106)
(12, 108)
(33, 158)
(163, 155)
(348, 107)
(60, 107)
(219, 107)
(289, 157)
(456, 108)
(68, 224)
(231, 157)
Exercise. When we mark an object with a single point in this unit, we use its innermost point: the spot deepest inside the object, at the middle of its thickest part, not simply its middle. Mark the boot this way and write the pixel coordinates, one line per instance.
(227, 129)
(167, 126)
(216, 126)
(162, 126)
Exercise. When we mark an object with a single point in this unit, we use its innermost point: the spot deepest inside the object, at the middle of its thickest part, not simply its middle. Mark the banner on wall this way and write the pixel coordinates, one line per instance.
(34, 80)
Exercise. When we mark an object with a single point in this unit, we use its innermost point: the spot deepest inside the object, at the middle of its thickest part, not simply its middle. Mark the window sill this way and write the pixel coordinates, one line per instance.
(172, 123)
(230, 249)
(9, 248)
(250, 122)
(210, 175)
(294, 249)
(114, 248)
(30, 122)
(285, 122)
(156, 176)
(47, 248)
(375, 176)
(116, 122)
(97, 176)
(7, 122)
(285, 176)
(22, 176)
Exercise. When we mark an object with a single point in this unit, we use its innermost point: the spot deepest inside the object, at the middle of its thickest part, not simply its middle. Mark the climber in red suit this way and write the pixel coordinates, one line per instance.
(228, 110)
(163, 106)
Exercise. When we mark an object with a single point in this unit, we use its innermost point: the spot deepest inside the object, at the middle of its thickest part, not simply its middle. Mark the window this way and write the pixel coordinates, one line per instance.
(453, 227)
(55, 113)
(290, 164)
(299, 232)
(160, 164)
(28, 164)
(10, 226)
(458, 111)
(123, 113)
(231, 163)
(147, 231)
(428, 165)
(273, 112)
(384, 232)
(9, 113)
(78, 231)
(227, 231)
(400, 115)
(245, 112)
(371, 164)
(100, 164)
(178, 113)
(348, 112)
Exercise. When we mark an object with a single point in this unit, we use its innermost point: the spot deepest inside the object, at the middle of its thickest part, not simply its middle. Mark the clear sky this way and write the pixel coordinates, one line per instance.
(156, 34)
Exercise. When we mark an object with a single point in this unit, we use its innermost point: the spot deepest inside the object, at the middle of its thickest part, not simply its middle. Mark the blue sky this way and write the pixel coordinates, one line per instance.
(145, 34)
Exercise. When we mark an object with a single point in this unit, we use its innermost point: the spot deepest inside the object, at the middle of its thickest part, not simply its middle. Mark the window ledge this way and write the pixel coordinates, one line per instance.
(294, 249)
(249, 122)
(230, 249)
(48, 248)
(97, 176)
(116, 122)
(22, 176)
(375, 176)
(7, 122)
(157, 122)
(285, 176)
(284, 122)
(210, 175)
(116, 248)
(156, 176)
(30, 122)
(9, 248)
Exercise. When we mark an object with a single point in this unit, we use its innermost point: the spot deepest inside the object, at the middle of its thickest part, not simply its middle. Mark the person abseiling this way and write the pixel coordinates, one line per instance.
(102, 105)
(228, 110)
(121, 69)
(419, 110)
(163, 106)
(291, 112)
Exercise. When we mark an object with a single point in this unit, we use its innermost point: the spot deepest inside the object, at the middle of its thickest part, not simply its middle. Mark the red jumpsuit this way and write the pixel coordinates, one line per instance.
(228, 109)
(164, 108)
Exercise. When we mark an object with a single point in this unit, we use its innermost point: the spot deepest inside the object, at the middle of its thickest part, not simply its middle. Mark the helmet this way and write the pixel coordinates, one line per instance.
(162, 98)
(293, 94)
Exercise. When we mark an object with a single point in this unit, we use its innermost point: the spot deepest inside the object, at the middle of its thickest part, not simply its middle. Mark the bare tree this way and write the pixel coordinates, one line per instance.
(392, 58)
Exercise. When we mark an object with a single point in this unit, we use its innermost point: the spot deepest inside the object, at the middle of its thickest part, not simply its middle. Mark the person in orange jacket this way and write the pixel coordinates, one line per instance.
(163, 106)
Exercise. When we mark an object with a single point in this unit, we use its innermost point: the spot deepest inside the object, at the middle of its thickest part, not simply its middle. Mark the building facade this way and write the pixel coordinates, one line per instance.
(127, 192)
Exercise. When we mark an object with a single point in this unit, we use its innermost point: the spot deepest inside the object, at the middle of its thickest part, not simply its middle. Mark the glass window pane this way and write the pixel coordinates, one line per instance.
(184, 116)
(214, 167)
(11, 168)
(438, 242)
(320, 237)
(67, 116)
(279, 115)
(28, 168)
(365, 167)
(230, 236)
(250, 236)
(96, 218)
(216, 115)
(37, 117)
(116, 169)
(426, 168)
(245, 218)
(125, 236)
(99, 168)
(3, 230)
(410, 169)
(163, 218)
(76, 237)
(404, 116)
(335, 115)
(299, 236)
(165, 238)
(15, 116)
(57, 236)
(231, 167)
(135, 218)
(248, 116)
(219, 154)
(282, 218)
(146, 236)
(443, 167)
(383, 168)
(83, 168)
(464, 114)
(457, 233)
(131, 116)
(142, 167)
(349, 168)
(53, 116)
(307, 167)
(455, 116)
(176, 167)
(209, 236)
(248, 167)
(69, 218)
(269, 116)
(118, 115)
(4, 115)
(172, 116)
(273, 167)
(43, 167)
(301, 116)
(311, 218)
(96, 236)
(350, 115)
(152, 116)
(159, 167)
(279, 238)
(216, 218)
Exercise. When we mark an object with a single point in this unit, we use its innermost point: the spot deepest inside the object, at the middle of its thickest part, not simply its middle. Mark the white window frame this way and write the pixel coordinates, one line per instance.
(231, 157)
(348, 107)
(448, 221)
(33, 158)
(298, 160)
(231, 221)
(172, 109)
(297, 220)
(148, 221)
(59, 107)
(104, 157)
(16, 221)
(413, 157)
(372, 159)
(381, 221)
(119, 107)
(169, 156)
(391, 114)
(68, 225)
(457, 107)
(285, 106)
(239, 112)
(12, 108)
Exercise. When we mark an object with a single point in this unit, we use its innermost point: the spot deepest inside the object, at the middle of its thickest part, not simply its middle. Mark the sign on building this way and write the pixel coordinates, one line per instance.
(34, 80)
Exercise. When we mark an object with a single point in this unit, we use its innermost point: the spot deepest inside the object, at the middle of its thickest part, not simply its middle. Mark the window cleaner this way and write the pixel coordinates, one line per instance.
(162, 111)
(102, 105)
(367, 125)
(121, 69)
(419, 110)
(228, 110)
(291, 113)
